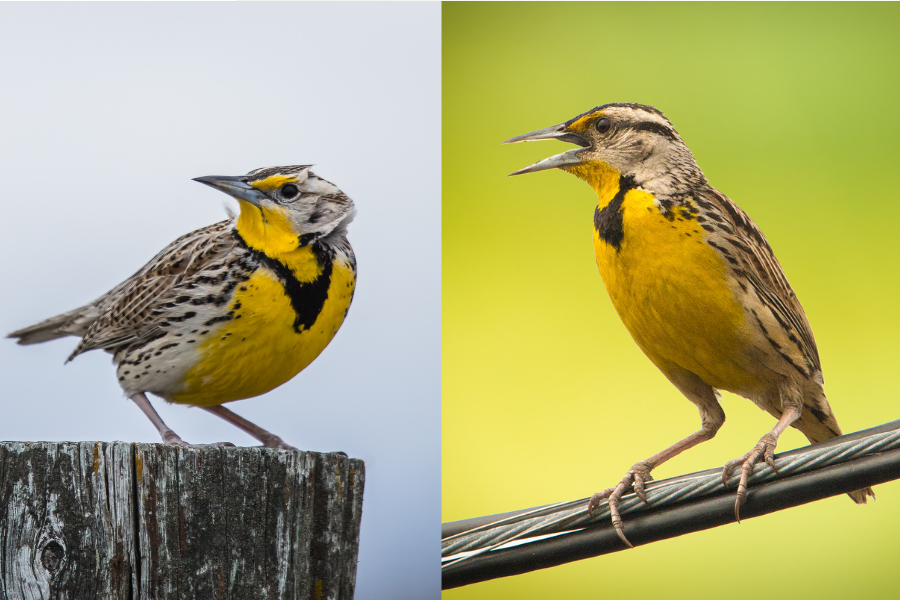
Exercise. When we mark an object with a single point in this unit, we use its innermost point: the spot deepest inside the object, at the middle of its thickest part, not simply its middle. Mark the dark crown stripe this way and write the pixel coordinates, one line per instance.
(260, 174)
(633, 105)
(657, 128)
(608, 220)
(307, 298)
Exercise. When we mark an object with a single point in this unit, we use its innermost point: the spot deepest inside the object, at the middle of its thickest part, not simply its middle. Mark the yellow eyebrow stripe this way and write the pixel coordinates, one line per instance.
(585, 121)
(273, 182)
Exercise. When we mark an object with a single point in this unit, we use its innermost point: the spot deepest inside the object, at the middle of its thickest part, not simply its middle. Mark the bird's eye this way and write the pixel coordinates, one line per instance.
(289, 191)
(603, 125)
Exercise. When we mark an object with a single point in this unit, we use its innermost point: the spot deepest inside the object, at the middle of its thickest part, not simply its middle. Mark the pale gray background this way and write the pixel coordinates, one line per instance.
(106, 113)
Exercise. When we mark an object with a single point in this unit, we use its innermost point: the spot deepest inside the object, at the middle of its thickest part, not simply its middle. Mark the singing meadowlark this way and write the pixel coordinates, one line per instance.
(696, 284)
(229, 311)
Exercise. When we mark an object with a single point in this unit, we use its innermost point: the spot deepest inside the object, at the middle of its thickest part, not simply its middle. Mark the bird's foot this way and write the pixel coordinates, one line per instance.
(273, 441)
(170, 438)
(215, 445)
(636, 477)
(764, 449)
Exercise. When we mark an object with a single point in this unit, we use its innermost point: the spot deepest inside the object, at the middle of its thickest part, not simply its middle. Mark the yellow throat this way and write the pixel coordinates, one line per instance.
(278, 321)
(668, 285)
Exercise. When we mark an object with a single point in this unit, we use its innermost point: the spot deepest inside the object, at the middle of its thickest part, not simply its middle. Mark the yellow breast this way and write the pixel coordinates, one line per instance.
(261, 348)
(671, 291)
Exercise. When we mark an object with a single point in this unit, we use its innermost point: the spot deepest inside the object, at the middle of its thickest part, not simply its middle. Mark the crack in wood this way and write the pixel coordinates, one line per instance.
(116, 520)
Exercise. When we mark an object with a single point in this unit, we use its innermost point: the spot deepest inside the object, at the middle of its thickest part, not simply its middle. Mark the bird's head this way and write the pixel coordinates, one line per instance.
(615, 140)
(283, 208)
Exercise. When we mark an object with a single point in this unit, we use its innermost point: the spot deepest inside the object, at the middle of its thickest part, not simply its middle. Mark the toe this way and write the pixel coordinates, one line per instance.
(639, 489)
(278, 444)
(621, 533)
(596, 499)
(617, 519)
(726, 472)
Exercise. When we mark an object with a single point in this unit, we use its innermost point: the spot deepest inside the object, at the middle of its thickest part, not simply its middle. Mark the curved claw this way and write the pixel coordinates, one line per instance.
(729, 467)
(620, 530)
(639, 489)
(596, 498)
(726, 472)
(770, 458)
(746, 471)
(636, 478)
(764, 449)
(614, 508)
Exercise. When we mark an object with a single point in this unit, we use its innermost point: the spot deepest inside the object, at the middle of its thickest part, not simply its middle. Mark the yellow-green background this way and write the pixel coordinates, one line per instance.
(792, 111)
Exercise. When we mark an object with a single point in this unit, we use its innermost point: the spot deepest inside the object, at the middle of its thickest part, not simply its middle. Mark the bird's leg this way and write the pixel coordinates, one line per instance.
(640, 474)
(169, 437)
(765, 449)
(269, 440)
(712, 417)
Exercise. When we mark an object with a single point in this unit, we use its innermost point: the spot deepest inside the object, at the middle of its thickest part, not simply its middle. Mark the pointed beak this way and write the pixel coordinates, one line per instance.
(557, 132)
(236, 187)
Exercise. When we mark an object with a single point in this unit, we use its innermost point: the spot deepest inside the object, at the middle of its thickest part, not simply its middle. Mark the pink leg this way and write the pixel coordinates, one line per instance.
(764, 449)
(269, 440)
(169, 437)
(640, 474)
(712, 417)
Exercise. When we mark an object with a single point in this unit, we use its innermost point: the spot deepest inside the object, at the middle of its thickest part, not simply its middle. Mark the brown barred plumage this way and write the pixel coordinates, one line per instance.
(695, 282)
(174, 328)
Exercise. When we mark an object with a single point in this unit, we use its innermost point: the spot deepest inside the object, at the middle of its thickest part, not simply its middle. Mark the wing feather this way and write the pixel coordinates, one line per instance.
(755, 262)
(131, 311)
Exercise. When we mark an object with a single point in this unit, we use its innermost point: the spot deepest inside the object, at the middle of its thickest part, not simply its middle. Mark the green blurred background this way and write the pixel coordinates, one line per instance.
(790, 109)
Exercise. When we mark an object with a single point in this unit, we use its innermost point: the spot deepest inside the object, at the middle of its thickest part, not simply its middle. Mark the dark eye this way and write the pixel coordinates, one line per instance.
(289, 191)
(603, 125)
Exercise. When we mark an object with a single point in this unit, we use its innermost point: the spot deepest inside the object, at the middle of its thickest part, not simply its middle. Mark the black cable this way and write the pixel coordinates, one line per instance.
(674, 520)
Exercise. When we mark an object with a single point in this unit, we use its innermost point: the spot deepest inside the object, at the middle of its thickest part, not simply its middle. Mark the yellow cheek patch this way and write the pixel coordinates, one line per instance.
(274, 182)
(266, 229)
(584, 122)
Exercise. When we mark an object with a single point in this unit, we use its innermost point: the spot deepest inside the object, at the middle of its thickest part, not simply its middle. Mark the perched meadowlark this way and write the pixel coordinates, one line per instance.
(232, 310)
(696, 284)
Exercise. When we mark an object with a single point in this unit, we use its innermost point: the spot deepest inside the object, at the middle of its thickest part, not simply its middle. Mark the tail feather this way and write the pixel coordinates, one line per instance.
(818, 423)
(75, 322)
(861, 496)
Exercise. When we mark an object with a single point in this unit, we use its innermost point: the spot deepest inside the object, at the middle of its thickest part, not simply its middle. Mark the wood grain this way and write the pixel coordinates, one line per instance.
(86, 520)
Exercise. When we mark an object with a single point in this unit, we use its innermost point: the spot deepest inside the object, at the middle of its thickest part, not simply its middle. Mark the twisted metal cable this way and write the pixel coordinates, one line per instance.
(572, 516)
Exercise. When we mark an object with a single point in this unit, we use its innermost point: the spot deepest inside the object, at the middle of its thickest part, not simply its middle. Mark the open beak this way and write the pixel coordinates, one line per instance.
(236, 187)
(557, 132)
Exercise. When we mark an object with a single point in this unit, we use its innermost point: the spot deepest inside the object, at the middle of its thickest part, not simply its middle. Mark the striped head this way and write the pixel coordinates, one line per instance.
(284, 208)
(624, 139)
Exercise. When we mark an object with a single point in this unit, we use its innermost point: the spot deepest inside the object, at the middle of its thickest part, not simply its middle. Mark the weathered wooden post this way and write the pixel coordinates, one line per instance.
(98, 520)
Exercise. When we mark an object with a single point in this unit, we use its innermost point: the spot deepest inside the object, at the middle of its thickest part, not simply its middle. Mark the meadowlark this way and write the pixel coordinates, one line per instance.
(696, 284)
(229, 311)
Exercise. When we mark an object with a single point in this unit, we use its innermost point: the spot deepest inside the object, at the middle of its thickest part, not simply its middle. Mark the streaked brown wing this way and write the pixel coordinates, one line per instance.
(752, 258)
(128, 312)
